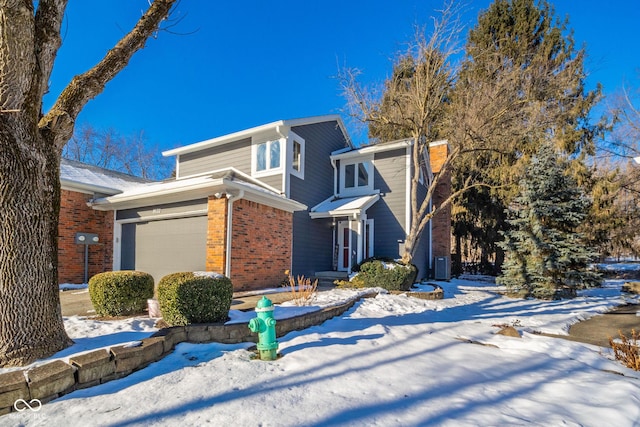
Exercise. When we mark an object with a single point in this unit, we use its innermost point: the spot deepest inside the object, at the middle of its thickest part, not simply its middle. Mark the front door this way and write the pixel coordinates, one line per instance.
(344, 246)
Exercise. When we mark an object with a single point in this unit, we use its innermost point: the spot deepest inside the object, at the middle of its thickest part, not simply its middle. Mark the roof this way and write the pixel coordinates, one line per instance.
(373, 148)
(334, 207)
(227, 181)
(82, 177)
(220, 140)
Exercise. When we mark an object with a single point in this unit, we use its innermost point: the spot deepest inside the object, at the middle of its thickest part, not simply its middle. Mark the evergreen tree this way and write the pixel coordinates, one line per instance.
(520, 41)
(545, 255)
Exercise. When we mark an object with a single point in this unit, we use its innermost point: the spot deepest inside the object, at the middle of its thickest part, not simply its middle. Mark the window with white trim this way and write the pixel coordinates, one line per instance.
(267, 156)
(297, 156)
(356, 177)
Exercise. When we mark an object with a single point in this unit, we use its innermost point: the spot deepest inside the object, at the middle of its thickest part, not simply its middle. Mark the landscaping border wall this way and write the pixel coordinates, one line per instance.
(55, 379)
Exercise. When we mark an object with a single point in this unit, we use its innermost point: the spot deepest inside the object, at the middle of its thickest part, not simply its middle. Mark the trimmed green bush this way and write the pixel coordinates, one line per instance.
(387, 274)
(186, 298)
(120, 293)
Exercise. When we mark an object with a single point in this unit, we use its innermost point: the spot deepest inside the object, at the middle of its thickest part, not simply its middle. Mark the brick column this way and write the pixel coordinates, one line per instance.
(216, 234)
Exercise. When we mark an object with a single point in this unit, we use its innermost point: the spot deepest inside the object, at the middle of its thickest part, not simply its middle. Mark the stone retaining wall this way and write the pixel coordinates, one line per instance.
(52, 380)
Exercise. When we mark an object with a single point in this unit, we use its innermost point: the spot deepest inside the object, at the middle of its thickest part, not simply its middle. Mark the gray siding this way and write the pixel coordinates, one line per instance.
(312, 243)
(170, 208)
(273, 180)
(388, 213)
(422, 255)
(234, 154)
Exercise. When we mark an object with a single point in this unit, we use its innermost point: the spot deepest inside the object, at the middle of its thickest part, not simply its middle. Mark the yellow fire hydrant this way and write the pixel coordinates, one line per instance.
(265, 325)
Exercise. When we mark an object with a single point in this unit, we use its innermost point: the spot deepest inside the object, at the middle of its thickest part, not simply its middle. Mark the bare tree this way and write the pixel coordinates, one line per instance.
(31, 143)
(108, 149)
(420, 102)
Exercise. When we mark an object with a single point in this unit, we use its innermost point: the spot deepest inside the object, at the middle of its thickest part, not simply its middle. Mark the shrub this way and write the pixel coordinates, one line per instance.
(354, 282)
(627, 350)
(303, 292)
(186, 298)
(387, 274)
(119, 293)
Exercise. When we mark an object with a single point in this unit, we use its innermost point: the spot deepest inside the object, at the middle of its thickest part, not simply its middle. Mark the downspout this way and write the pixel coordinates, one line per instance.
(335, 178)
(230, 199)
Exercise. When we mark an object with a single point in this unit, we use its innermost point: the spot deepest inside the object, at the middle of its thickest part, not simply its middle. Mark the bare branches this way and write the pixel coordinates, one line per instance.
(48, 20)
(108, 149)
(57, 125)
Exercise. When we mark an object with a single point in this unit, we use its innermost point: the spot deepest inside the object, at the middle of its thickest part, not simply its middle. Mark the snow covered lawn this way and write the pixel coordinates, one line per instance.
(390, 360)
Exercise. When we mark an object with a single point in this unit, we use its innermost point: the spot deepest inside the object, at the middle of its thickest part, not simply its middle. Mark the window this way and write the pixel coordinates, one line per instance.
(274, 149)
(296, 163)
(349, 173)
(356, 177)
(363, 175)
(295, 155)
(267, 156)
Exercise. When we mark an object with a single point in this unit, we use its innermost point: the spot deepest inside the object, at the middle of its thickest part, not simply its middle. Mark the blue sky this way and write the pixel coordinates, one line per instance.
(245, 63)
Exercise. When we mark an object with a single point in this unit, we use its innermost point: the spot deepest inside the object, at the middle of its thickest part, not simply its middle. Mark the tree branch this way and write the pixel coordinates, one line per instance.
(57, 125)
(48, 21)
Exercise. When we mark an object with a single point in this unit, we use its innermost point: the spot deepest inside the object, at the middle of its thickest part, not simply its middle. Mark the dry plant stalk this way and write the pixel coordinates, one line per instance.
(304, 291)
(627, 350)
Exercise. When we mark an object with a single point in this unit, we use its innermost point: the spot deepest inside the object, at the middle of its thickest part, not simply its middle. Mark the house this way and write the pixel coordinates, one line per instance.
(370, 207)
(80, 184)
(289, 195)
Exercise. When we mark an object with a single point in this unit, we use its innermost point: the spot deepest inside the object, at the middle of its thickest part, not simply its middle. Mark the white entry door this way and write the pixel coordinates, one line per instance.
(344, 246)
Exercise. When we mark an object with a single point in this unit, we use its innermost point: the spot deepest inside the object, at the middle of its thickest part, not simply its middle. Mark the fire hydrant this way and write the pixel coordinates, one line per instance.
(265, 325)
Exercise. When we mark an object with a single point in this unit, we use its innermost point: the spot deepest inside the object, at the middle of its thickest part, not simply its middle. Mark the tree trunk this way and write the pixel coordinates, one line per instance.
(31, 324)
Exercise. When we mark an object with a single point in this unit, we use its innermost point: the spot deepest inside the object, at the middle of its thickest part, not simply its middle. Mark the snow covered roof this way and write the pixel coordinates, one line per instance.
(333, 207)
(227, 181)
(82, 177)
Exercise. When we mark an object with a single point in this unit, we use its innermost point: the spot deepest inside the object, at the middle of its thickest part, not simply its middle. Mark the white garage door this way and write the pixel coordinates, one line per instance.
(165, 246)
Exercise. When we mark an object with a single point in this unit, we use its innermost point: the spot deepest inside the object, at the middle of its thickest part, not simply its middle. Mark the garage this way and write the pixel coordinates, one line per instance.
(166, 246)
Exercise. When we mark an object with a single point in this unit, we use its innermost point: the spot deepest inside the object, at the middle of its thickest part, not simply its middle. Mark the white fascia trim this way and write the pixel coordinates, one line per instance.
(346, 153)
(371, 149)
(343, 212)
(221, 139)
(439, 142)
(251, 131)
(265, 198)
(239, 173)
(162, 194)
(81, 187)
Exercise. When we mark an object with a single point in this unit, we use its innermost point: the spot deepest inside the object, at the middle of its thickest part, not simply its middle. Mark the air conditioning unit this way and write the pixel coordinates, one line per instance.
(441, 268)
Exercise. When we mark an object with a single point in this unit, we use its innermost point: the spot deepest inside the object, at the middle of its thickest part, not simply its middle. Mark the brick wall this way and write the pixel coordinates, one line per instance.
(216, 234)
(261, 245)
(76, 216)
(437, 156)
(441, 223)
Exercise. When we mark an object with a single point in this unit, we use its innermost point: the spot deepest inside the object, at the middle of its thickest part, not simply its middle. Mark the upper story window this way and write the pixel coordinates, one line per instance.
(296, 149)
(267, 157)
(356, 177)
(296, 164)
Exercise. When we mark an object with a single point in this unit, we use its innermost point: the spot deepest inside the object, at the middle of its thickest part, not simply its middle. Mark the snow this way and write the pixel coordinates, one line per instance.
(390, 360)
(72, 286)
(72, 171)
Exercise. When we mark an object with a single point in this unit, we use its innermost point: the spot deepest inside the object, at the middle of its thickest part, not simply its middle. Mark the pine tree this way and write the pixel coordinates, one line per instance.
(545, 256)
(520, 41)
